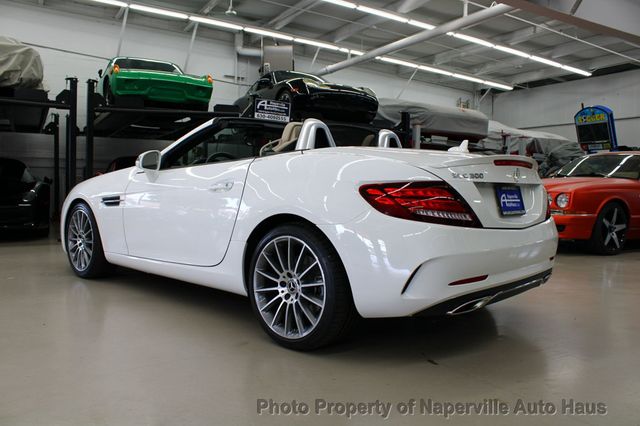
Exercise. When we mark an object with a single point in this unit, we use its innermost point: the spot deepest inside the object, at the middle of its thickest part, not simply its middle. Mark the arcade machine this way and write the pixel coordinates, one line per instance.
(596, 130)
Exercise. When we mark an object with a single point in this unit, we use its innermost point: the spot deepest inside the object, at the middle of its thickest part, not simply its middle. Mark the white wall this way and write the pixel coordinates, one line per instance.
(551, 108)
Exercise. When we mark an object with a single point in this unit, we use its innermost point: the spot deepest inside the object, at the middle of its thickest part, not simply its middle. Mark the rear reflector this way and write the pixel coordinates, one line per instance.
(516, 163)
(470, 280)
(421, 201)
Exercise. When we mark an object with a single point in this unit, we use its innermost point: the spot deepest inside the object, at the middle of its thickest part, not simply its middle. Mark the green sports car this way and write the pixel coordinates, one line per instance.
(158, 83)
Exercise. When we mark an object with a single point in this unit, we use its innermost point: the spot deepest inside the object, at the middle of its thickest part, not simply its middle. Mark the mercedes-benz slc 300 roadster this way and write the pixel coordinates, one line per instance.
(316, 234)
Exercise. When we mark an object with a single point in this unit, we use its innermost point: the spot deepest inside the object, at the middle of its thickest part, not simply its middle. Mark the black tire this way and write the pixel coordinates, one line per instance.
(108, 95)
(93, 263)
(285, 96)
(333, 321)
(608, 235)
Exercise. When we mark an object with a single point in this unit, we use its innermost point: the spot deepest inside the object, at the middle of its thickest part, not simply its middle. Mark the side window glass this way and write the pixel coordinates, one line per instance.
(227, 144)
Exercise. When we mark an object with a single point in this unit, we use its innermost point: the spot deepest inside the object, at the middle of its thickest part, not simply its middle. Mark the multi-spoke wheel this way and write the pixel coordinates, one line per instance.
(299, 289)
(608, 235)
(84, 248)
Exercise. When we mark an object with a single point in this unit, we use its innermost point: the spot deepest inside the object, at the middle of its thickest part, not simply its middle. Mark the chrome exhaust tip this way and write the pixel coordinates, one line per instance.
(471, 306)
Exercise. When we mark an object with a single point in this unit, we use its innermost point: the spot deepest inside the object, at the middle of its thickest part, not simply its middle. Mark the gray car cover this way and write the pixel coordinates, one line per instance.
(20, 65)
(435, 119)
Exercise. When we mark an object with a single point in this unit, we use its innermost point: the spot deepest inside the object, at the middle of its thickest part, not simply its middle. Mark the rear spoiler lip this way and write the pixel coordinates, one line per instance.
(485, 160)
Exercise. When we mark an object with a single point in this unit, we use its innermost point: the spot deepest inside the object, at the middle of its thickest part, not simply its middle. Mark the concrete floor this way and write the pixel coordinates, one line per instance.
(136, 349)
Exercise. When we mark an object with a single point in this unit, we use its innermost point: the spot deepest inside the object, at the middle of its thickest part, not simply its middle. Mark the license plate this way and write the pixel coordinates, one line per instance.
(510, 200)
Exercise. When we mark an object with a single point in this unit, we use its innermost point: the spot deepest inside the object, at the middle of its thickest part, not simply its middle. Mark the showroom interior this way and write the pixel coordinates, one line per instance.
(461, 178)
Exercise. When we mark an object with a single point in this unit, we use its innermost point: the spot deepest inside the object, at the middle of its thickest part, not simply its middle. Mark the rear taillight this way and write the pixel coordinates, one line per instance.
(516, 163)
(422, 201)
(548, 200)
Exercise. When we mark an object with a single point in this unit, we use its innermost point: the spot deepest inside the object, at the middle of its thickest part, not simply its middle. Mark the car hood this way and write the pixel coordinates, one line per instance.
(571, 184)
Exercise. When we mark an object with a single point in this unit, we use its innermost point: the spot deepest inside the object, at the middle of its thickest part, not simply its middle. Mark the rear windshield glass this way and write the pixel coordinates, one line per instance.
(11, 170)
(146, 64)
(287, 75)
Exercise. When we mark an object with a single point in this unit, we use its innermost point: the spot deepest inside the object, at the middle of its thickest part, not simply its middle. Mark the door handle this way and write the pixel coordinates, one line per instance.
(221, 186)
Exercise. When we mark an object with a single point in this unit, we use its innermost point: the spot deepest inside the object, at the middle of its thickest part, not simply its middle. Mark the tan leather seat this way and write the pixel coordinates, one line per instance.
(289, 135)
(368, 140)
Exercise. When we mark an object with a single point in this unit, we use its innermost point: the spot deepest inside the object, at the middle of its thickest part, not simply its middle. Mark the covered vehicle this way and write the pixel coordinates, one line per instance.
(20, 65)
(550, 150)
(24, 199)
(596, 198)
(316, 233)
(440, 127)
(158, 83)
(312, 96)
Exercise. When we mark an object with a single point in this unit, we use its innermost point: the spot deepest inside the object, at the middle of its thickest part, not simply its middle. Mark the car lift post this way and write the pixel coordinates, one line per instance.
(88, 132)
(53, 128)
(72, 128)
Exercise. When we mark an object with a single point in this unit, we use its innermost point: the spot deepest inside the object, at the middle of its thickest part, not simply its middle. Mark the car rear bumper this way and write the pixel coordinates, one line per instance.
(161, 91)
(20, 217)
(574, 227)
(407, 267)
(336, 104)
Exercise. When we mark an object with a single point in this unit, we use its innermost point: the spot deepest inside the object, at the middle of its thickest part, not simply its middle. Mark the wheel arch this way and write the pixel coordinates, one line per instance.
(261, 230)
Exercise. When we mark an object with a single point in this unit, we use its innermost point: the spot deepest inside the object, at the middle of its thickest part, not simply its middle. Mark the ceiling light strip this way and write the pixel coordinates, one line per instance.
(157, 11)
(426, 68)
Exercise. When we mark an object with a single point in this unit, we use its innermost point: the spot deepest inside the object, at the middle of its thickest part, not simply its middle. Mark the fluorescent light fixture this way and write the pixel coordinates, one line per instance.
(316, 43)
(545, 61)
(435, 70)
(512, 51)
(576, 70)
(215, 23)
(112, 3)
(344, 50)
(268, 33)
(382, 13)
(356, 52)
(156, 11)
(471, 39)
(468, 78)
(421, 24)
(342, 3)
(498, 85)
(398, 62)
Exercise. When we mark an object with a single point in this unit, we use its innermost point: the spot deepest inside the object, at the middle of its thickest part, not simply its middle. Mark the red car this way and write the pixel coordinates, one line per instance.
(596, 198)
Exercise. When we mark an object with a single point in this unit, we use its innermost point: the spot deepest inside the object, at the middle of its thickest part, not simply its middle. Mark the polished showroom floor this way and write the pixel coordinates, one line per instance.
(136, 349)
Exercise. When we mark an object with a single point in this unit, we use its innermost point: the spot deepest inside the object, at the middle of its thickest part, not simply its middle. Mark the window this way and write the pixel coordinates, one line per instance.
(228, 141)
(288, 75)
(147, 64)
(613, 166)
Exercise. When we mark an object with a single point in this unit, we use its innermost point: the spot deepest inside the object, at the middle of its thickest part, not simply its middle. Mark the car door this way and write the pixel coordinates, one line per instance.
(185, 212)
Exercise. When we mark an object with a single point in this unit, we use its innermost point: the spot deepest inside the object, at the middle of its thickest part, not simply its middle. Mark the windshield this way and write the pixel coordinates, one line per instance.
(288, 75)
(147, 64)
(12, 170)
(606, 166)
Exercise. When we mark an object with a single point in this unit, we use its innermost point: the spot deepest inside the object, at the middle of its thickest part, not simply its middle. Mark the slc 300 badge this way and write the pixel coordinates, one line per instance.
(467, 175)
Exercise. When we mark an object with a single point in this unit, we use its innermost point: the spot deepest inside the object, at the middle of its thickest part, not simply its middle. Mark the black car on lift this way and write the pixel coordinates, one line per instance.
(24, 199)
(312, 97)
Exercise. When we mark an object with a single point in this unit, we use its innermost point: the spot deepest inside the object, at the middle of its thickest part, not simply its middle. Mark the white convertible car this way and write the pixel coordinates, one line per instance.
(313, 233)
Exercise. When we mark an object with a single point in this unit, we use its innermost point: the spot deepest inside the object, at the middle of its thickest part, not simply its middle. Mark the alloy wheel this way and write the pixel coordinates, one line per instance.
(289, 287)
(614, 229)
(80, 240)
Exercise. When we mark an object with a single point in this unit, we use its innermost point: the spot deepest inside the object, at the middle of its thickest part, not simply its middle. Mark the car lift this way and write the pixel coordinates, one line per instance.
(130, 119)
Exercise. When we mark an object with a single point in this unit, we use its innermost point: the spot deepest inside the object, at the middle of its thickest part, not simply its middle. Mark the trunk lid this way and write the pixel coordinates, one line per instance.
(477, 179)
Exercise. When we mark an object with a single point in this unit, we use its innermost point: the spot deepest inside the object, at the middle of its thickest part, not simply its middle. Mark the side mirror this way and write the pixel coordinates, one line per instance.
(100, 73)
(149, 160)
